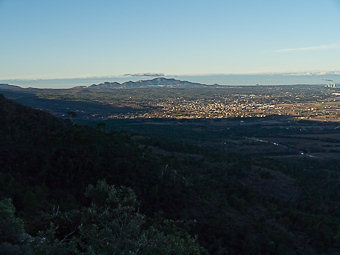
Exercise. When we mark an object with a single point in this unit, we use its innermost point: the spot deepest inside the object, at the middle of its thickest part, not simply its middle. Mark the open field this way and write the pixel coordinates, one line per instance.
(276, 137)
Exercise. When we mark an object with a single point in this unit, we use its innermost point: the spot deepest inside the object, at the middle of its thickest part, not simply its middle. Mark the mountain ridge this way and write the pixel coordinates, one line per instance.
(156, 82)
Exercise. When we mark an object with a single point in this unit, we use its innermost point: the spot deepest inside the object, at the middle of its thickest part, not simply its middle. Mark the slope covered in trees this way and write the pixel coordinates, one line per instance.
(72, 189)
(47, 164)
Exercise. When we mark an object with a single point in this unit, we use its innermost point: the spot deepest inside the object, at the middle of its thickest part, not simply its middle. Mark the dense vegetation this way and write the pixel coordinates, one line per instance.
(71, 189)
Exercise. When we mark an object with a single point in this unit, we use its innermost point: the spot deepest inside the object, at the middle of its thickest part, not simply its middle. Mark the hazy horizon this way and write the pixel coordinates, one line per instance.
(210, 79)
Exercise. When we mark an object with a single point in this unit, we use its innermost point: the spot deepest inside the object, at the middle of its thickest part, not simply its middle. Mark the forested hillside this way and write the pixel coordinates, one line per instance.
(46, 167)
(71, 189)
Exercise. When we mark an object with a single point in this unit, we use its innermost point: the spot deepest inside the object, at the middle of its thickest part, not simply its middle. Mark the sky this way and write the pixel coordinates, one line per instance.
(85, 38)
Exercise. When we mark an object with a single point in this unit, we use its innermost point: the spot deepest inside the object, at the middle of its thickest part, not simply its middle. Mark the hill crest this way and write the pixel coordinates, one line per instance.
(156, 82)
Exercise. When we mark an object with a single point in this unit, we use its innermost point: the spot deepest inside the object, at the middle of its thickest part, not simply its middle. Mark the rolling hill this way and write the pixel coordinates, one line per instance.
(233, 203)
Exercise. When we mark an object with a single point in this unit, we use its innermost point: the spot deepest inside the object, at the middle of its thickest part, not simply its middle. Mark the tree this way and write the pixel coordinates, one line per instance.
(12, 233)
(109, 224)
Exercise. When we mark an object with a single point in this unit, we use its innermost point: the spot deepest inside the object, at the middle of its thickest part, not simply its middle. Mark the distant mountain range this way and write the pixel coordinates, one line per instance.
(157, 82)
(7, 86)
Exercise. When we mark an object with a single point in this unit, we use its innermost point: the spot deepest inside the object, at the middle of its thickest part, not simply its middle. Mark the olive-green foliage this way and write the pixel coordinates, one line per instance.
(12, 233)
(11, 228)
(110, 224)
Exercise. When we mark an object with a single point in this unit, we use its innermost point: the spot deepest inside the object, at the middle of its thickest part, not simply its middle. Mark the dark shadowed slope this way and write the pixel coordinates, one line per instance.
(235, 204)
(46, 165)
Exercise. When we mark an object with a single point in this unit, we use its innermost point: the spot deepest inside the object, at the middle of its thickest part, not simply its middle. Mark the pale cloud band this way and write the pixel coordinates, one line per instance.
(312, 48)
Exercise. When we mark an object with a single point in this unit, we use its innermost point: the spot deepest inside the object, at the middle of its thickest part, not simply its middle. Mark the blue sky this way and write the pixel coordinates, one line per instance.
(82, 38)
